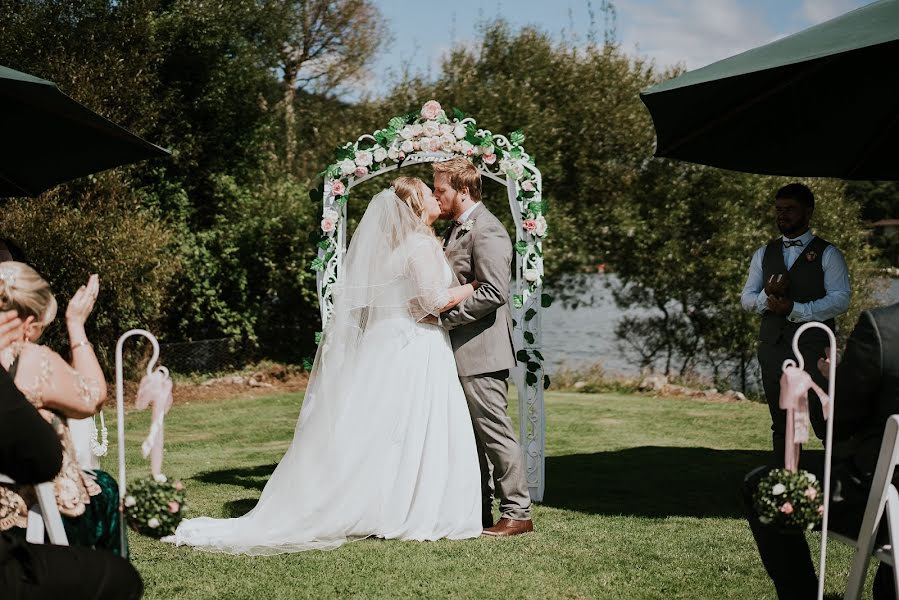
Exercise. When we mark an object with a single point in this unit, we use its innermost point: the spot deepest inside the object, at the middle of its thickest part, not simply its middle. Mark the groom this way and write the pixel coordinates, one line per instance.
(478, 248)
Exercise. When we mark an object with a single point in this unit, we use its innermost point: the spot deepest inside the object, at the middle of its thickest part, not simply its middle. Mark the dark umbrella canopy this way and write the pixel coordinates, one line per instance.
(821, 103)
(49, 138)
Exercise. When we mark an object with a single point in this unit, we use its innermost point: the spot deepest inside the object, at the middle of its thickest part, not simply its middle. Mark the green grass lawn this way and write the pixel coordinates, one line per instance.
(640, 503)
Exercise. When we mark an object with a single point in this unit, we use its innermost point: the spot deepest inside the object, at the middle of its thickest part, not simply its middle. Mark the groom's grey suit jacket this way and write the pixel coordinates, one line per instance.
(480, 328)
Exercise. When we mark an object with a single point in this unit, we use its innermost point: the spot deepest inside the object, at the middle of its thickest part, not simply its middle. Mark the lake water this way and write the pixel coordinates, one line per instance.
(586, 335)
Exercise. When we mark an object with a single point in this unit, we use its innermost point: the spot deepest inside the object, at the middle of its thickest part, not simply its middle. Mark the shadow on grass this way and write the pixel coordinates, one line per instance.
(652, 481)
(253, 478)
(238, 508)
(649, 481)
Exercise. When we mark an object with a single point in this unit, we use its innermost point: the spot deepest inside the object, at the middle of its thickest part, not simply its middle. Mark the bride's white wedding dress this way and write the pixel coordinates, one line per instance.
(384, 444)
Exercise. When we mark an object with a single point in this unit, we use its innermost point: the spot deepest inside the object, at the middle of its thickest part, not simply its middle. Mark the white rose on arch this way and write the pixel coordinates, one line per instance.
(379, 154)
(459, 131)
(541, 226)
(446, 129)
(512, 167)
(330, 213)
(347, 167)
(393, 153)
(407, 133)
(431, 129)
(466, 148)
(407, 146)
(363, 158)
(531, 275)
(417, 130)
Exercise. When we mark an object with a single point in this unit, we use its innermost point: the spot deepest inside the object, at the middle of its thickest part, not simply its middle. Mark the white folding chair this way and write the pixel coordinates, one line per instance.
(882, 500)
(44, 514)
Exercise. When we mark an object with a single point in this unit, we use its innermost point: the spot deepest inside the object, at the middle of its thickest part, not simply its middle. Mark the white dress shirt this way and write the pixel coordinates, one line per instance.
(836, 283)
(467, 214)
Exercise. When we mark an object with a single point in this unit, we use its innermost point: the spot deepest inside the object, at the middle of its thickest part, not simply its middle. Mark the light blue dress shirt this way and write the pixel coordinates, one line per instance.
(836, 284)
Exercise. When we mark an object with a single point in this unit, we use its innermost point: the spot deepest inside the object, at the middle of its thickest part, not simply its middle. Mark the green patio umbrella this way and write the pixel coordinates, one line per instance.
(821, 103)
(48, 138)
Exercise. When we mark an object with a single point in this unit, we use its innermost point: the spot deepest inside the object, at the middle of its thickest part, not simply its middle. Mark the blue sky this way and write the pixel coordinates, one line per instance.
(692, 32)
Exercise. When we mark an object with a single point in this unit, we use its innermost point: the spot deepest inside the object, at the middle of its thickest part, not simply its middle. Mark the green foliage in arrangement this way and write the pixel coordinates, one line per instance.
(789, 499)
(154, 507)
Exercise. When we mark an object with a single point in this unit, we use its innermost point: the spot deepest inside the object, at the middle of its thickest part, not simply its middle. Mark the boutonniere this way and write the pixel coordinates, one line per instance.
(811, 255)
(465, 228)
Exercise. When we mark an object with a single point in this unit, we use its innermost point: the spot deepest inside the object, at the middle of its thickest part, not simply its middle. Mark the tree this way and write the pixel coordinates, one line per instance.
(325, 46)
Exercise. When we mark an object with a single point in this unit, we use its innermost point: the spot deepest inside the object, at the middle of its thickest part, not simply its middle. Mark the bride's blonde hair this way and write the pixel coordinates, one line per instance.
(411, 190)
(23, 290)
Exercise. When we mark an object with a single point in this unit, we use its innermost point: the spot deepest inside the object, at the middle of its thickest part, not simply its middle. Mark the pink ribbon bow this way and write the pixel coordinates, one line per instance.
(156, 390)
(794, 386)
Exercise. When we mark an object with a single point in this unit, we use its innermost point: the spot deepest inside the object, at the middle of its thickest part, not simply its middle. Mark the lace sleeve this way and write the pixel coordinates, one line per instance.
(425, 268)
(57, 385)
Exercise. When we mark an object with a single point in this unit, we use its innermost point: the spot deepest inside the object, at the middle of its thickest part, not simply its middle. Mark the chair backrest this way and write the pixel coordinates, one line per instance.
(883, 476)
(44, 515)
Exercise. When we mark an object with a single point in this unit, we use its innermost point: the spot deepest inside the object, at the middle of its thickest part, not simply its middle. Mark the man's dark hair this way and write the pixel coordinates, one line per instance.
(797, 192)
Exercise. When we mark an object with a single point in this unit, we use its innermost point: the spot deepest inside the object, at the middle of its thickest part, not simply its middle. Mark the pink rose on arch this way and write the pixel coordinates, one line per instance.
(787, 508)
(811, 493)
(327, 225)
(528, 186)
(361, 171)
(416, 146)
(337, 188)
(431, 109)
(821, 510)
(530, 225)
(490, 158)
(174, 507)
(178, 486)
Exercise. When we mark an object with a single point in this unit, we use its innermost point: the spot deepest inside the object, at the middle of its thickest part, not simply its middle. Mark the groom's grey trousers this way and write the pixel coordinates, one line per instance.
(497, 448)
(480, 329)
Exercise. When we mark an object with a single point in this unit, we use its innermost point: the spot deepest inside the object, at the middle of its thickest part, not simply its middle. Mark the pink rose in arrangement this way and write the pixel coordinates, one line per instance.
(431, 109)
(327, 225)
(361, 171)
(787, 508)
(811, 493)
(490, 158)
(337, 188)
(821, 510)
(174, 507)
(179, 486)
(530, 225)
(528, 186)
(416, 146)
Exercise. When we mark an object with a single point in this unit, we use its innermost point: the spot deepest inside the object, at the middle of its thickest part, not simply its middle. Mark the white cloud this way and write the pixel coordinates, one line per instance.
(693, 32)
(818, 11)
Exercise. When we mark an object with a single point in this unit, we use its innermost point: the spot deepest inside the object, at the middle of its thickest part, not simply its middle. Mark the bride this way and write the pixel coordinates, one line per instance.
(384, 445)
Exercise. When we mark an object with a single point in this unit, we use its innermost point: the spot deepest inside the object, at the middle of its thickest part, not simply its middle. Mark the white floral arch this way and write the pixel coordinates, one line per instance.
(431, 136)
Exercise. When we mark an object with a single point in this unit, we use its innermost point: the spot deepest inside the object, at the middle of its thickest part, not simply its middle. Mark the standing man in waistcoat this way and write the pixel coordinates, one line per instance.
(794, 279)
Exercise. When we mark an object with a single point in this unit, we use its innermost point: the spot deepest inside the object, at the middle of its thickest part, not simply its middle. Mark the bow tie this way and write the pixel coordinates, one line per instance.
(788, 243)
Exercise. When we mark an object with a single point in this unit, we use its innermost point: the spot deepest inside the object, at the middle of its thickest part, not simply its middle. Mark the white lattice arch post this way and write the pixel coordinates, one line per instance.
(407, 141)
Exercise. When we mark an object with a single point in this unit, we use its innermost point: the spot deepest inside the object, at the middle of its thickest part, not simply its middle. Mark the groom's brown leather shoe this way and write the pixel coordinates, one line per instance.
(509, 527)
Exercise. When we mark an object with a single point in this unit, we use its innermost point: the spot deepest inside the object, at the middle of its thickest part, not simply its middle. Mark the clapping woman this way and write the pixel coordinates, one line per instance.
(87, 501)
